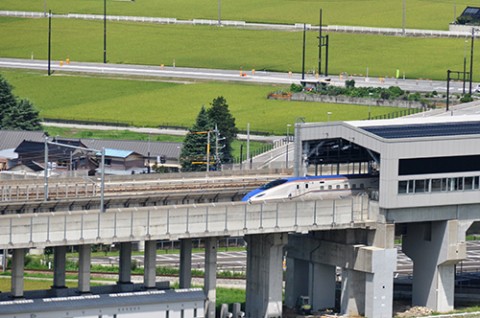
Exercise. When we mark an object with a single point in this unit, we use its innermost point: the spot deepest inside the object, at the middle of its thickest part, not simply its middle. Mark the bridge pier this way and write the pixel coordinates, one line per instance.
(264, 274)
(367, 259)
(59, 266)
(210, 281)
(125, 265)
(84, 260)
(435, 248)
(185, 275)
(18, 260)
(150, 265)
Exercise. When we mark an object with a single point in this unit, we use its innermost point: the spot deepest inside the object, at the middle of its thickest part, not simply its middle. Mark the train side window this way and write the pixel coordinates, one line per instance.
(345, 186)
(306, 185)
(298, 186)
(354, 186)
(362, 186)
(330, 187)
(338, 186)
(322, 188)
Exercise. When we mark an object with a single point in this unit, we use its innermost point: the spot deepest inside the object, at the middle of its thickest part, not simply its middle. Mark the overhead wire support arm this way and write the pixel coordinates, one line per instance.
(102, 168)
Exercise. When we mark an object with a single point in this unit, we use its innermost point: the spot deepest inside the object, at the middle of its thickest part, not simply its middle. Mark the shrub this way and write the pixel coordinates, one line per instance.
(466, 98)
(350, 83)
(296, 88)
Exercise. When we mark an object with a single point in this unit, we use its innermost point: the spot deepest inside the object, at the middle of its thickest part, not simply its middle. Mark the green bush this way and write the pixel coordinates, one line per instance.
(466, 98)
(350, 83)
(296, 88)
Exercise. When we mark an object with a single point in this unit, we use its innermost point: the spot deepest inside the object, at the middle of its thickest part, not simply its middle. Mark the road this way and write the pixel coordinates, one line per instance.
(236, 260)
(244, 76)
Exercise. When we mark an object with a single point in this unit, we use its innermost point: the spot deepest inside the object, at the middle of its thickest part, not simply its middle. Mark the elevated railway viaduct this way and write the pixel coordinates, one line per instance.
(429, 177)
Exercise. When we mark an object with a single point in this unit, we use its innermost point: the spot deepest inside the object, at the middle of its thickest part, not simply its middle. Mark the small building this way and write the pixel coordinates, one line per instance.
(470, 16)
(122, 162)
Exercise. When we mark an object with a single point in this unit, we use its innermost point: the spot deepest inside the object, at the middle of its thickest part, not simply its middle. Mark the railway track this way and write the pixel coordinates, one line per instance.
(24, 196)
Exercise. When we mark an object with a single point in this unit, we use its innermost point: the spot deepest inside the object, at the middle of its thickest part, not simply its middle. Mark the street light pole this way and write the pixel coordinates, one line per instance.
(219, 12)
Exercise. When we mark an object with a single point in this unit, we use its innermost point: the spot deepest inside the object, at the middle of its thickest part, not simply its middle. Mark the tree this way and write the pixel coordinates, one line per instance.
(220, 116)
(7, 100)
(22, 117)
(194, 151)
(16, 115)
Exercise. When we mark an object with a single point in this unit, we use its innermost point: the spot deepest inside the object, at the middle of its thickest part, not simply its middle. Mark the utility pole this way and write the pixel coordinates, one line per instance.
(49, 40)
(471, 61)
(105, 31)
(320, 44)
(303, 51)
(45, 167)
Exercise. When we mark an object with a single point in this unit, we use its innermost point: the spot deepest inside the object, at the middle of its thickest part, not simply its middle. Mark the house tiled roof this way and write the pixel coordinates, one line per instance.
(10, 139)
(171, 150)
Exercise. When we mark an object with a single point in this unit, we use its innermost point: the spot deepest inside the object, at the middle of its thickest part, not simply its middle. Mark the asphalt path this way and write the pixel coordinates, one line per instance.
(170, 73)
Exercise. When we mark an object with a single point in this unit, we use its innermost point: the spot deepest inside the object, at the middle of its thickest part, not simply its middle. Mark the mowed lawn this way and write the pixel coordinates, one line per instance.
(230, 48)
(151, 103)
(421, 14)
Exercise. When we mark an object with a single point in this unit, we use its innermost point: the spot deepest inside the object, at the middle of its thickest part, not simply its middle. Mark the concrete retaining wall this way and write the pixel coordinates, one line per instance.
(348, 100)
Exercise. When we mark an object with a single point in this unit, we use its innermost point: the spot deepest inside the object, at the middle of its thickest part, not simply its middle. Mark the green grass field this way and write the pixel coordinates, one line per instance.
(149, 103)
(227, 48)
(421, 14)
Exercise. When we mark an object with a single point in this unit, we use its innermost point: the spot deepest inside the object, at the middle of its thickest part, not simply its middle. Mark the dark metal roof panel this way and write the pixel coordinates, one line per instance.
(99, 301)
(425, 130)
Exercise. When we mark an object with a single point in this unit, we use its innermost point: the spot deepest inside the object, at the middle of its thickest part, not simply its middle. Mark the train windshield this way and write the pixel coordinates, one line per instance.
(273, 184)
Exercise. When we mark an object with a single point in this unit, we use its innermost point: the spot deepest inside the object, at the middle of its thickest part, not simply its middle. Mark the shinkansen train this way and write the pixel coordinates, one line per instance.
(313, 187)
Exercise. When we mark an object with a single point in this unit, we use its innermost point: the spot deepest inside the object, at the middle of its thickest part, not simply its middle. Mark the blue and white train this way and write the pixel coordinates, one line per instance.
(313, 187)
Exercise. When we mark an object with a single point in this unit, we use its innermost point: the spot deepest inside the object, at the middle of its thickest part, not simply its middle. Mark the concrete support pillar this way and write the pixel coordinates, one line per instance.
(59, 266)
(210, 282)
(150, 264)
(352, 299)
(367, 259)
(264, 274)
(379, 281)
(125, 266)
(296, 281)
(18, 262)
(84, 260)
(435, 248)
(185, 275)
(321, 286)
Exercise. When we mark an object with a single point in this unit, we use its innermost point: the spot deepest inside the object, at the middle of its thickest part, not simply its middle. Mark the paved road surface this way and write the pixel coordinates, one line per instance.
(185, 74)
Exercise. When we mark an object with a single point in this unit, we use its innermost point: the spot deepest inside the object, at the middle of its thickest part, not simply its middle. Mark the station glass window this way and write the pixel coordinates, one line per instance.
(421, 186)
(403, 186)
(436, 185)
(468, 183)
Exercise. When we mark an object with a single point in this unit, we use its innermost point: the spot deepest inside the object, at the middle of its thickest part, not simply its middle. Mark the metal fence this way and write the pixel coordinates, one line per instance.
(296, 26)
